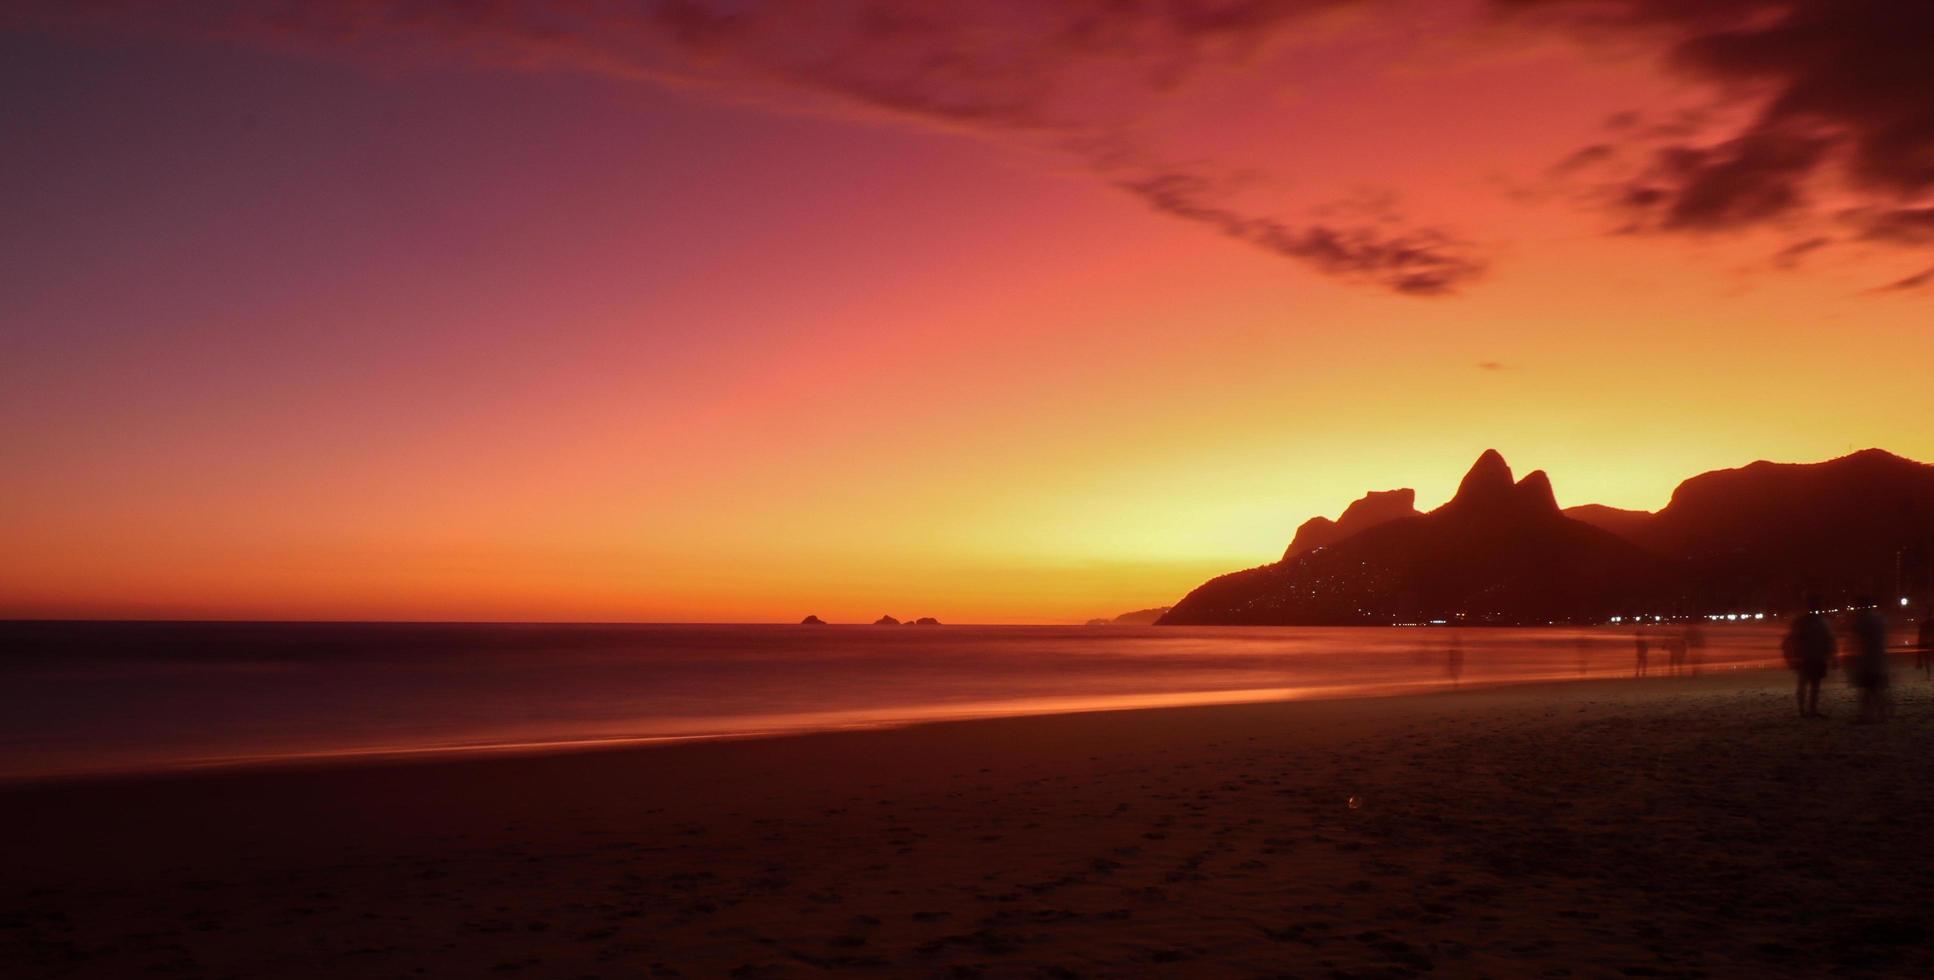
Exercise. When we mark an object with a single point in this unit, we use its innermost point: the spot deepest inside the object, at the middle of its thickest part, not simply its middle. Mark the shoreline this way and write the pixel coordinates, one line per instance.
(962, 713)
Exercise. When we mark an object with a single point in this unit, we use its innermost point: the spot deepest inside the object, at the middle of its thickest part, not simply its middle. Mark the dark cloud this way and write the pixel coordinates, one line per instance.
(1418, 262)
(1840, 90)
(1069, 74)
(1755, 178)
(1490, 366)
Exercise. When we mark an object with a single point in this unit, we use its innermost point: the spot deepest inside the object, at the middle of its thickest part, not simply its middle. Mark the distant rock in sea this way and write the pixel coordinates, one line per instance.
(924, 621)
(812, 621)
(1098, 622)
(886, 621)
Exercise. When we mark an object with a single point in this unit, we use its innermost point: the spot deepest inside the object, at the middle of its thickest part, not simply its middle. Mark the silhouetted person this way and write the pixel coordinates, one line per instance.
(1584, 655)
(1454, 659)
(1868, 671)
(1642, 649)
(1809, 650)
(1924, 654)
(1693, 640)
(1675, 655)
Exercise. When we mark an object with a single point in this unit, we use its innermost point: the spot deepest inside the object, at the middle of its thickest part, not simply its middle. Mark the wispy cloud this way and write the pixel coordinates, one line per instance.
(1792, 255)
(1418, 262)
(1918, 280)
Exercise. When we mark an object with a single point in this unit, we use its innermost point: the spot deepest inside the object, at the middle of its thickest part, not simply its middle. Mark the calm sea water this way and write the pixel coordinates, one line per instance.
(102, 697)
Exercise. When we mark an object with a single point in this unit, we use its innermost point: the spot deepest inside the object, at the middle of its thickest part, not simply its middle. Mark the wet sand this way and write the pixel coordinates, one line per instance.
(1612, 828)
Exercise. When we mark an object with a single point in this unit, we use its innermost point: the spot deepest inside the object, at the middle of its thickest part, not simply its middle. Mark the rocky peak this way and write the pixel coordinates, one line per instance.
(1487, 486)
(1488, 492)
(1534, 494)
(1373, 508)
(1378, 506)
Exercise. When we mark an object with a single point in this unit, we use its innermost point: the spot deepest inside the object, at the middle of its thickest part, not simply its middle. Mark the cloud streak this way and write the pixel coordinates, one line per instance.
(1070, 75)
(1918, 280)
(1418, 262)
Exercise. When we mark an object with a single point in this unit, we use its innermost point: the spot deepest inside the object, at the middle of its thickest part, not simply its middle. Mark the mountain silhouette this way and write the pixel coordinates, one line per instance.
(1767, 533)
(1373, 508)
(1498, 552)
(1138, 617)
(1756, 538)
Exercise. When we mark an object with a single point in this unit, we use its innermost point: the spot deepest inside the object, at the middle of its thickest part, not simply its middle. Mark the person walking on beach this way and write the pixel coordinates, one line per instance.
(1924, 644)
(1643, 651)
(1693, 642)
(1869, 668)
(1454, 659)
(1809, 649)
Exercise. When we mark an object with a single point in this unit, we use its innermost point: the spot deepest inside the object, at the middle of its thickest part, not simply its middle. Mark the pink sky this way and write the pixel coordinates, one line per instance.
(435, 323)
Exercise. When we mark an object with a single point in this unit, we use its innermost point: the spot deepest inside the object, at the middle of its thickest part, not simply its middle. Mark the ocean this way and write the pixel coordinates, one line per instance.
(81, 698)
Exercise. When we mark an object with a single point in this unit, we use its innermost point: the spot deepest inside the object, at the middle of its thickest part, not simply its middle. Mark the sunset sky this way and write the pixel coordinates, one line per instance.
(996, 312)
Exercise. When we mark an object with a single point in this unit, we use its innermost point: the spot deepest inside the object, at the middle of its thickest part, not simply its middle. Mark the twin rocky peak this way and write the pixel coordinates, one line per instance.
(1486, 492)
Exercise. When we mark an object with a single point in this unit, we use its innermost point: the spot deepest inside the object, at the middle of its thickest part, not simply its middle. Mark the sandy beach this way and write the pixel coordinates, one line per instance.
(1607, 828)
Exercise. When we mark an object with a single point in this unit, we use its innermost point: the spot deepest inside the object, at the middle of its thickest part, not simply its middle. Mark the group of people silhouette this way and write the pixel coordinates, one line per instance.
(1681, 649)
(1812, 647)
(1812, 651)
